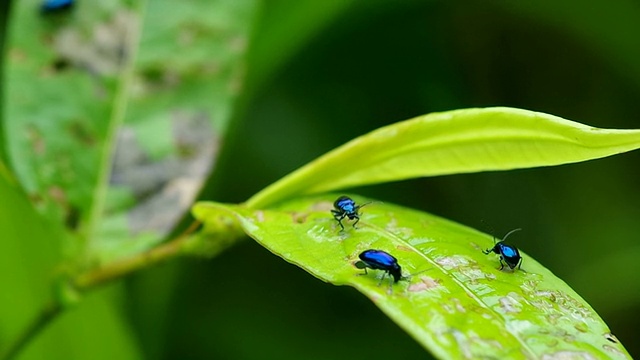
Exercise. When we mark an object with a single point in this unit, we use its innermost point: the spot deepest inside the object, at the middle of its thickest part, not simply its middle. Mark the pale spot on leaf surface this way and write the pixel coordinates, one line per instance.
(426, 283)
(510, 305)
(452, 262)
(569, 355)
(612, 349)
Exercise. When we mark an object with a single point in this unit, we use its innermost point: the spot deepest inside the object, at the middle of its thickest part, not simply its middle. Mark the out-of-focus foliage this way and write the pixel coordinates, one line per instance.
(29, 252)
(112, 105)
(319, 74)
(112, 117)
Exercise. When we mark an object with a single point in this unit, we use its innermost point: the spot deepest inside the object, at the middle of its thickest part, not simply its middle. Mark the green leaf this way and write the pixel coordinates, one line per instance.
(453, 142)
(188, 73)
(67, 78)
(115, 112)
(457, 304)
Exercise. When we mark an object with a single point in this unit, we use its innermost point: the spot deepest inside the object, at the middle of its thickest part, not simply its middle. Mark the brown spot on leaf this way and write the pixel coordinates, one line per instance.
(299, 218)
(582, 327)
(79, 131)
(36, 140)
(36, 199)
(71, 213)
(58, 195)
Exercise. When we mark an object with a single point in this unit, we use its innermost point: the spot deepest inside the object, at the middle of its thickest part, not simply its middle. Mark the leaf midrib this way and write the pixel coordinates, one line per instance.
(116, 119)
(469, 292)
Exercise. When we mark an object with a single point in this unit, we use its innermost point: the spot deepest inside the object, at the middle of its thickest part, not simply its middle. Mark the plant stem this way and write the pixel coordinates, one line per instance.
(46, 316)
(118, 269)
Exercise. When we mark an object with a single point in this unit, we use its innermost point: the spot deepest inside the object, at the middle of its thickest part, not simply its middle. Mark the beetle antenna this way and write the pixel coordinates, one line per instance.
(509, 233)
(365, 204)
(492, 232)
(408, 277)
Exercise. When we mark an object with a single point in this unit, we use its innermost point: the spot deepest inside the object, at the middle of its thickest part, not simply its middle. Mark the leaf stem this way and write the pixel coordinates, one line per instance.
(120, 268)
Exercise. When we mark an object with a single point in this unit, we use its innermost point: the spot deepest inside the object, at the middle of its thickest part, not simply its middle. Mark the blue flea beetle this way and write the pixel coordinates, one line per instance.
(55, 6)
(508, 253)
(346, 207)
(380, 260)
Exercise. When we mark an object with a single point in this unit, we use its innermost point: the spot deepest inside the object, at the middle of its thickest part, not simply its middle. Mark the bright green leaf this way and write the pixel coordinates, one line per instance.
(457, 304)
(453, 142)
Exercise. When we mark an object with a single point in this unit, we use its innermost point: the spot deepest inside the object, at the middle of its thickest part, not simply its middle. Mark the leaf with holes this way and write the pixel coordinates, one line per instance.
(114, 113)
(457, 304)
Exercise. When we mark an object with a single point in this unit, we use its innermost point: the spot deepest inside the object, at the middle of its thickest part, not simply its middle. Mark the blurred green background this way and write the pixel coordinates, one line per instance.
(319, 73)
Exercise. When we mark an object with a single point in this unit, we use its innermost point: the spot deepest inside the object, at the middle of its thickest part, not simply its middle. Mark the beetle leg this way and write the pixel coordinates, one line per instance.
(339, 216)
(357, 219)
